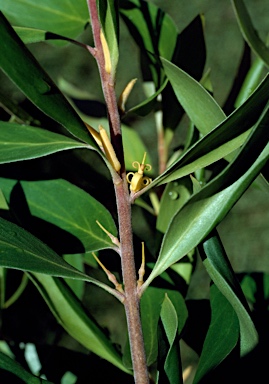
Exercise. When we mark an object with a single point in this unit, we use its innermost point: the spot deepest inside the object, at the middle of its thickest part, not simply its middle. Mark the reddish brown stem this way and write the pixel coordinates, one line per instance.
(131, 302)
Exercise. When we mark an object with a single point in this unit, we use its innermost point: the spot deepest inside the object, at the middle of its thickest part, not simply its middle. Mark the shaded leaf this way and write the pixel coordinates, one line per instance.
(222, 335)
(169, 319)
(249, 32)
(34, 82)
(151, 28)
(151, 304)
(22, 142)
(21, 250)
(69, 312)
(45, 201)
(12, 366)
(221, 272)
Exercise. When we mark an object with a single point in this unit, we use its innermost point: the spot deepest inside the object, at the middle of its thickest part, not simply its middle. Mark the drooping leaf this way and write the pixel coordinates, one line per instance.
(22, 142)
(76, 213)
(172, 366)
(21, 250)
(59, 17)
(222, 274)
(200, 215)
(69, 312)
(221, 337)
(249, 32)
(35, 83)
(8, 364)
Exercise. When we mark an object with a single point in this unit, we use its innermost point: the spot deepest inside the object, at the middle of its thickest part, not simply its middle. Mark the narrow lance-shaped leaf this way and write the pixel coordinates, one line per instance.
(199, 105)
(221, 272)
(21, 250)
(45, 201)
(35, 83)
(222, 335)
(249, 32)
(22, 142)
(222, 140)
(6, 363)
(169, 319)
(69, 312)
(208, 207)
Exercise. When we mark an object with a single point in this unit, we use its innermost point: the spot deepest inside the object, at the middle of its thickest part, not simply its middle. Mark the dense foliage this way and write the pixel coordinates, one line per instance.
(77, 170)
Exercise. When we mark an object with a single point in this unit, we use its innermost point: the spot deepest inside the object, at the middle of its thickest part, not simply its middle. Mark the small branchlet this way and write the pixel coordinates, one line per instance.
(110, 275)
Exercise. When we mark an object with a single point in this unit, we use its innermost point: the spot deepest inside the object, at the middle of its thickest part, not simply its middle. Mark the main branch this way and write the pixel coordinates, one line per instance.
(131, 302)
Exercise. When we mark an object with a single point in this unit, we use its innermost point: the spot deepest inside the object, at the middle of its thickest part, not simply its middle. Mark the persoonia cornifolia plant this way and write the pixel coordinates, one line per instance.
(137, 192)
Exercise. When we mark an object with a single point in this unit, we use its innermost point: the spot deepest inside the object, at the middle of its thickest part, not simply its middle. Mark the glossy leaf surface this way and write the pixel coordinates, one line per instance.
(209, 206)
(59, 17)
(221, 141)
(35, 83)
(22, 142)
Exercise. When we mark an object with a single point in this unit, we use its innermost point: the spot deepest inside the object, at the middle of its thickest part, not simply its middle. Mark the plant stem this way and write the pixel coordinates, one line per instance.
(131, 302)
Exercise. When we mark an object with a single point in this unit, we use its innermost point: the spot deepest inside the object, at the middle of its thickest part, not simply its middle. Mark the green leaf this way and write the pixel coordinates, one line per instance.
(172, 366)
(199, 105)
(151, 28)
(34, 35)
(146, 106)
(221, 272)
(21, 250)
(249, 32)
(200, 215)
(174, 197)
(221, 337)
(69, 312)
(22, 142)
(61, 17)
(12, 366)
(54, 202)
(34, 82)
(221, 141)
(151, 303)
